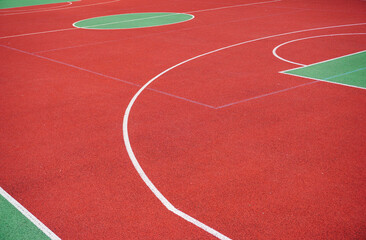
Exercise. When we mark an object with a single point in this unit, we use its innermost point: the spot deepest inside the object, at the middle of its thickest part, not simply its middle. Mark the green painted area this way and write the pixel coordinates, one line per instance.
(15, 226)
(4, 4)
(348, 70)
(133, 20)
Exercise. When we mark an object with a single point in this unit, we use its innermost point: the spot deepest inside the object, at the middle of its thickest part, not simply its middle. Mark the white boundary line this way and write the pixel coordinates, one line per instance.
(28, 215)
(137, 19)
(36, 9)
(321, 80)
(65, 8)
(274, 51)
(328, 60)
(324, 80)
(127, 142)
(233, 6)
(36, 33)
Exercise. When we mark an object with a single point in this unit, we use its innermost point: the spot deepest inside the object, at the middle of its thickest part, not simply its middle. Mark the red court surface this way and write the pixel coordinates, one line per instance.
(226, 138)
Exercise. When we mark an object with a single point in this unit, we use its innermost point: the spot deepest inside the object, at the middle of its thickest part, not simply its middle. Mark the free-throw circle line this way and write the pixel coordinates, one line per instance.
(133, 20)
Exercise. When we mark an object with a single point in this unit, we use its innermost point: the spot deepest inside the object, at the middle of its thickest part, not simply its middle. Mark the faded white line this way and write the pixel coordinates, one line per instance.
(36, 33)
(265, 95)
(233, 6)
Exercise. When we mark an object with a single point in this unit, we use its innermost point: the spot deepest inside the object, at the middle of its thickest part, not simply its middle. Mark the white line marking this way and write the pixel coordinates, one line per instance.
(204, 10)
(66, 29)
(36, 33)
(132, 156)
(274, 51)
(109, 77)
(28, 215)
(265, 95)
(65, 8)
(144, 177)
(346, 73)
(240, 5)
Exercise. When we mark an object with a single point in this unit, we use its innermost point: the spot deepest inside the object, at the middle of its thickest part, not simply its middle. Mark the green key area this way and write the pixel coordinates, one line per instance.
(349, 70)
(14, 225)
(133, 20)
(5, 4)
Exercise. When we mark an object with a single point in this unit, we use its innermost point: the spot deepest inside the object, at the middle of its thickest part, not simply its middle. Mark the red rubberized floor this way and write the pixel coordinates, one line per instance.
(226, 138)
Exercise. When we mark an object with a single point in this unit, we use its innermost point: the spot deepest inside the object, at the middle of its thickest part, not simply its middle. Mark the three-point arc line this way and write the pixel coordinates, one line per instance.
(132, 156)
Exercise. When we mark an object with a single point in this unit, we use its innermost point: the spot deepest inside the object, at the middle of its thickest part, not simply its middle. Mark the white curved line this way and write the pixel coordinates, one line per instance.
(36, 33)
(145, 178)
(36, 9)
(64, 8)
(133, 158)
(132, 20)
(274, 51)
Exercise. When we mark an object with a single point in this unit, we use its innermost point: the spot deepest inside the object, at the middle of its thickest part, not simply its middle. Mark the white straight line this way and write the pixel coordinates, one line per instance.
(34, 10)
(204, 10)
(240, 5)
(266, 95)
(322, 80)
(328, 60)
(65, 8)
(106, 76)
(28, 215)
(66, 29)
(274, 51)
(36, 33)
(344, 74)
(57, 30)
(133, 158)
